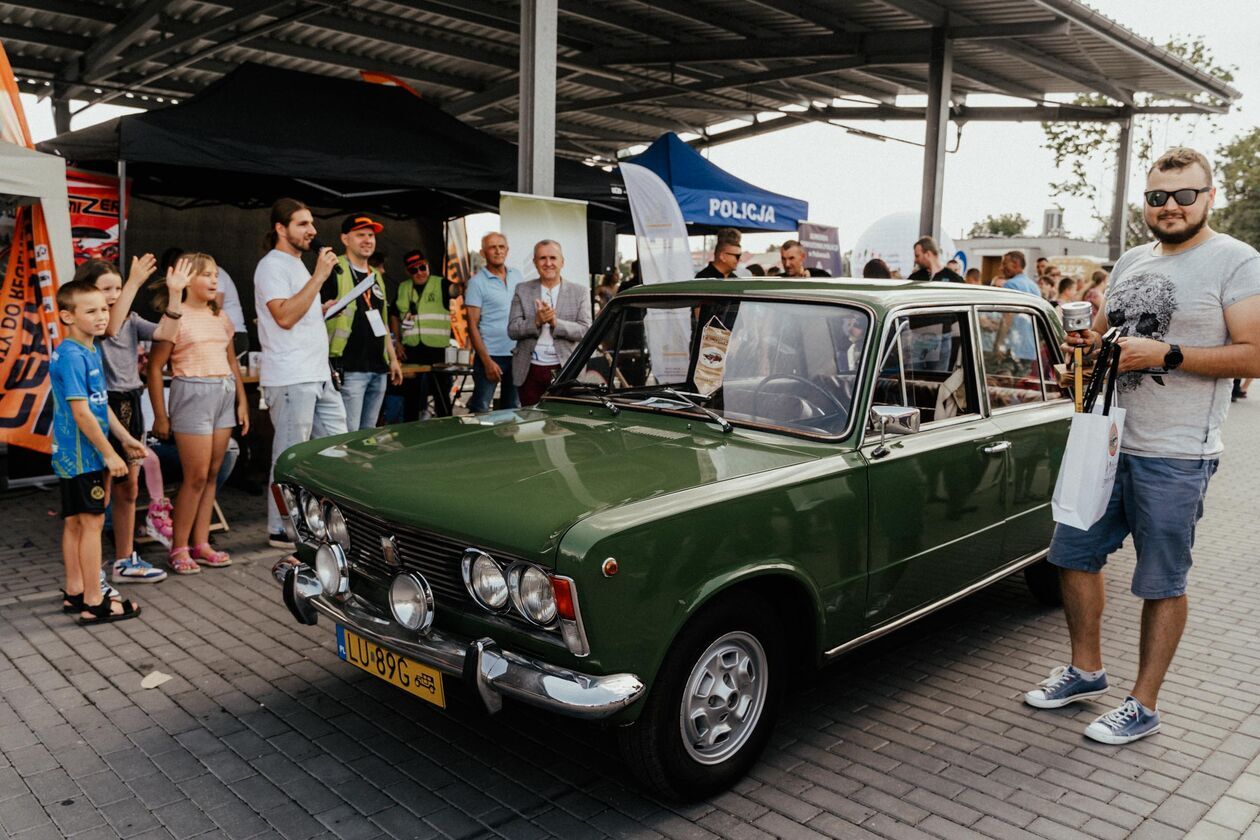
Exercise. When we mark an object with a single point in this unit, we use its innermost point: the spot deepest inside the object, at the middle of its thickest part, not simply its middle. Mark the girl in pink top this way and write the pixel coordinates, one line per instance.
(207, 399)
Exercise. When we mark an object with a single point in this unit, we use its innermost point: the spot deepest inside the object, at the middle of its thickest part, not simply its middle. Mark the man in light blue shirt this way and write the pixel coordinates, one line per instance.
(487, 301)
(1022, 343)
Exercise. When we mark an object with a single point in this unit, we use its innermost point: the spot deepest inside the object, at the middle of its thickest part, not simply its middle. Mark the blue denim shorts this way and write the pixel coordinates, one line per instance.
(1158, 501)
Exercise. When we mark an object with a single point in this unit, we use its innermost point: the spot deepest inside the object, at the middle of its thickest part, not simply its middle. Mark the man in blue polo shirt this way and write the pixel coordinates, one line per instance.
(1020, 341)
(487, 301)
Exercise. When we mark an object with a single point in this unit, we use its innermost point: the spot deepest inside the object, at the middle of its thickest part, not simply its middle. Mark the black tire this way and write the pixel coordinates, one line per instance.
(1043, 583)
(655, 747)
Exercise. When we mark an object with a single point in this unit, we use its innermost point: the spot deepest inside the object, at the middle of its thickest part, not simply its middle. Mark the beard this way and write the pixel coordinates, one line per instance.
(1177, 237)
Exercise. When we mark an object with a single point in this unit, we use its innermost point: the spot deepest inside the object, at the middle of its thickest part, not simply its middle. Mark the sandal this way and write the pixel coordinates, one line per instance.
(209, 557)
(182, 563)
(71, 603)
(103, 613)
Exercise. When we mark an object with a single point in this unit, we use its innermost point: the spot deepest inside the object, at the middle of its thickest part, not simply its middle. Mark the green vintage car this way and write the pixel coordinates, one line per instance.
(727, 481)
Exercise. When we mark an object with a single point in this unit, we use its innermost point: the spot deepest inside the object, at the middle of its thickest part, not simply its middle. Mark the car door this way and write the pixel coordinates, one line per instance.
(1018, 352)
(937, 504)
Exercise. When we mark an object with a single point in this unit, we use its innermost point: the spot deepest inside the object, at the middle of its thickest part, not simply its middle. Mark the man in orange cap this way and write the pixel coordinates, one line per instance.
(359, 343)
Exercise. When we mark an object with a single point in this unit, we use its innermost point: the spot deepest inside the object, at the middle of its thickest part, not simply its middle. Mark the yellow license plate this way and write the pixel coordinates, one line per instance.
(407, 674)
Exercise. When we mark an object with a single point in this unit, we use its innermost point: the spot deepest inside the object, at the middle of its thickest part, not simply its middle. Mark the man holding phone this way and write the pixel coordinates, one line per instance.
(1187, 307)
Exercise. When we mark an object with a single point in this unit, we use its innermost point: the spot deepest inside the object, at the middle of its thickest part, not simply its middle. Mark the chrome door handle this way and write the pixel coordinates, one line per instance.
(997, 448)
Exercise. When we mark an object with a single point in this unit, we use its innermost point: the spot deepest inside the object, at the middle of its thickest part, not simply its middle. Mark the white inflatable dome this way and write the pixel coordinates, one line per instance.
(892, 239)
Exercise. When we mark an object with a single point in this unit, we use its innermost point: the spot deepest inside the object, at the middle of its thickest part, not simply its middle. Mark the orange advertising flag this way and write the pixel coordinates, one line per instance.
(28, 302)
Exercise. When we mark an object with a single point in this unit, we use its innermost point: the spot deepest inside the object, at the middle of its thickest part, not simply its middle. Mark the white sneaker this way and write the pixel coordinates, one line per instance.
(134, 570)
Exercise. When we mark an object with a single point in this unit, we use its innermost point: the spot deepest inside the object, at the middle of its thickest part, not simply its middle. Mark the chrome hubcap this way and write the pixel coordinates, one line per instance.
(724, 697)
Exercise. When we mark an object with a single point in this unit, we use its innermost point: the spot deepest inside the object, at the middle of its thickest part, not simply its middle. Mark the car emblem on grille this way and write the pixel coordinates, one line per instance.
(389, 549)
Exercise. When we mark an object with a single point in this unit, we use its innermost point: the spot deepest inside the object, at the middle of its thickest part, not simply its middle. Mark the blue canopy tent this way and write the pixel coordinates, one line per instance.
(711, 197)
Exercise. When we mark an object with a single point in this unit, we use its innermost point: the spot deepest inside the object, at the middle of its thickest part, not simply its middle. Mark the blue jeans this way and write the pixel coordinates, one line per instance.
(1158, 501)
(363, 393)
(483, 388)
(298, 413)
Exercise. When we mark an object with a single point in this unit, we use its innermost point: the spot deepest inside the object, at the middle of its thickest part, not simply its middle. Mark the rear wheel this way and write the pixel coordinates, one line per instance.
(1043, 582)
(713, 706)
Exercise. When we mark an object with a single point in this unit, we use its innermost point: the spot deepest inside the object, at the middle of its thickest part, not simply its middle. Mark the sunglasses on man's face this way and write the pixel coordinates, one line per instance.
(1185, 197)
(416, 269)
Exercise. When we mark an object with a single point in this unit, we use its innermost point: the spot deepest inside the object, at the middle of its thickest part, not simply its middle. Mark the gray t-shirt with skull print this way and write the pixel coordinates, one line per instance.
(1179, 298)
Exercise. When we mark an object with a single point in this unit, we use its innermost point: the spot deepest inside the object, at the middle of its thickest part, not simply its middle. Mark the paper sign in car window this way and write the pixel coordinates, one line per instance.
(715, 340)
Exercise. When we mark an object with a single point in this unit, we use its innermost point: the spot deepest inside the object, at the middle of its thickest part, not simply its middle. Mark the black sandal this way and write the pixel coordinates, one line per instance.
(103, 613)
(76, 604)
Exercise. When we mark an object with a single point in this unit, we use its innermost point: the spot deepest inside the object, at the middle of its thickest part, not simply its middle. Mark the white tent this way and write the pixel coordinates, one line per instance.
(26, 177)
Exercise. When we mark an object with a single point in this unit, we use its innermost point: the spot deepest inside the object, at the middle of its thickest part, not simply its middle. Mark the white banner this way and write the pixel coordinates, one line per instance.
(661, 236)
(528, 219)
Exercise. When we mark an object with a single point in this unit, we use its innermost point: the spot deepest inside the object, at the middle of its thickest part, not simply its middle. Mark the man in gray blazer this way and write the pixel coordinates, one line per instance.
(548, 318)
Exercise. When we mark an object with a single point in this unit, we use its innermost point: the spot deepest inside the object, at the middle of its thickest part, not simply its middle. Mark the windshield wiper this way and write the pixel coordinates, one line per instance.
(686, 399)
(594, 389)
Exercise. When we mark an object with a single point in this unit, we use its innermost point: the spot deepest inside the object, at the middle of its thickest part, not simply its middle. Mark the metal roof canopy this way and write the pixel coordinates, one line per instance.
(625, 70)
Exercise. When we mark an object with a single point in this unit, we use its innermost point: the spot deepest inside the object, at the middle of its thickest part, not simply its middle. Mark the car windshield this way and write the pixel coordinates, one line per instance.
(761, 362)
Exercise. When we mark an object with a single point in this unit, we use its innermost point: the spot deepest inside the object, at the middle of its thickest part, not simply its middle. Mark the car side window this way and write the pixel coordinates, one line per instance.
(1018, 359)
(927, 364)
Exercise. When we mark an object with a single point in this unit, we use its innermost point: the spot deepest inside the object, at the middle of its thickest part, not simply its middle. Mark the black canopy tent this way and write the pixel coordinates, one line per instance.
(261, 132)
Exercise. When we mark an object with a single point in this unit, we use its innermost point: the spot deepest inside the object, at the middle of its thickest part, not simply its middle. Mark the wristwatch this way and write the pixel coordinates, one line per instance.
(174, 316)
(1173, 358)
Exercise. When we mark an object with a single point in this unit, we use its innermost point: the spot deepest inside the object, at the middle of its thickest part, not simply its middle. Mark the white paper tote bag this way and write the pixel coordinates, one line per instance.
(1088, 471)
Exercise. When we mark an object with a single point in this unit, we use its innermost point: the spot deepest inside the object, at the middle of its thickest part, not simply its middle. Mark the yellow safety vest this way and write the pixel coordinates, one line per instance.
(429, 322)
(340, 324)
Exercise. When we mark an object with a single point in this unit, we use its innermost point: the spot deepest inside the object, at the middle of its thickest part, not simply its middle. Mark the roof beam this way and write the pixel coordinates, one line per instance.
(668, 91)
(504, 19)
(43, 37)
(697, 13)
(808, 12)
(71, 8)
(358, 62)
(429, 42)
(184, 35)
(124, 34)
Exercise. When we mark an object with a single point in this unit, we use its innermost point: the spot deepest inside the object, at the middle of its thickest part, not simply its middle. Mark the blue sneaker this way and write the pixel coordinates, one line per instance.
(134, 570)
(1124, 725)
(1065, 685)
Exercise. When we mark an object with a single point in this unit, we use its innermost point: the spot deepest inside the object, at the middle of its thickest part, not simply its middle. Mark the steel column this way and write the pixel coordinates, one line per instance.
(940, 79)
(1120, 204)
(61, 115)
(122, 216)
(536, 161)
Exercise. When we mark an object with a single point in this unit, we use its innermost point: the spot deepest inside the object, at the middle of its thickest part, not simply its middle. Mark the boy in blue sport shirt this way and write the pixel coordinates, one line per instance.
(82, 456)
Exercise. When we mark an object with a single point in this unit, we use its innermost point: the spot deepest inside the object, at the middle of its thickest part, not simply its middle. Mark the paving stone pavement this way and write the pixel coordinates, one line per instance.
(264, 732)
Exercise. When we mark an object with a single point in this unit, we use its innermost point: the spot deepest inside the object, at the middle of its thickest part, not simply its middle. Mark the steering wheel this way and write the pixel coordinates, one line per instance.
(791, 377)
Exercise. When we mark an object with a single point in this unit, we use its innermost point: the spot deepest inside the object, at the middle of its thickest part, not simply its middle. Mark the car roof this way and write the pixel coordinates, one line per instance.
(877, 294)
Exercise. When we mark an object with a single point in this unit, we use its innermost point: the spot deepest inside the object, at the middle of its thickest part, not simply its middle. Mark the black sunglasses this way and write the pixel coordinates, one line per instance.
(1186, 197)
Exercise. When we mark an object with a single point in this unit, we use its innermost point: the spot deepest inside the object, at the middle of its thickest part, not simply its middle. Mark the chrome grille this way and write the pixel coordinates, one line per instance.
(432, 555)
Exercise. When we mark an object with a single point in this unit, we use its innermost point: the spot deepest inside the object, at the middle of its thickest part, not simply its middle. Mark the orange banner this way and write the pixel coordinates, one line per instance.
(28, 303)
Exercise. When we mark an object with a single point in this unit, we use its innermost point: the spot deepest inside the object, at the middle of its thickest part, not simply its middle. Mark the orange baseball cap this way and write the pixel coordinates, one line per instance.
(359, 221)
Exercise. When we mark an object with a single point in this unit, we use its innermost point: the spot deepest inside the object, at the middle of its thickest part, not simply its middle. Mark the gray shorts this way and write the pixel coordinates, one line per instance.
(199, 405)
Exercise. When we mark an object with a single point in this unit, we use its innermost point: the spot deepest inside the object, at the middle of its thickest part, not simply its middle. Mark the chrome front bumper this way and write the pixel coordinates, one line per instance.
(494, 672)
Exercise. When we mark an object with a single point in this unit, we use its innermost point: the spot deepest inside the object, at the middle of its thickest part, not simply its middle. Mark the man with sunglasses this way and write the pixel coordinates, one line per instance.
(422, 322)
(726, 256)
(1188, 307)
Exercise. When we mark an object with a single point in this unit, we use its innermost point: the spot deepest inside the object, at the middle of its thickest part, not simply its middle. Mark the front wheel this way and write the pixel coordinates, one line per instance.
(712, 708)
(1043, 582)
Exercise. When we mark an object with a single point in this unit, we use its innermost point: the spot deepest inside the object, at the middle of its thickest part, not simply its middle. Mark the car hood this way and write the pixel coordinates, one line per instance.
(517, 480)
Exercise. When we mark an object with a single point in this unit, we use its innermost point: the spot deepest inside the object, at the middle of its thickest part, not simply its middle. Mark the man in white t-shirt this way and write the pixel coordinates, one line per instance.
(295, 377)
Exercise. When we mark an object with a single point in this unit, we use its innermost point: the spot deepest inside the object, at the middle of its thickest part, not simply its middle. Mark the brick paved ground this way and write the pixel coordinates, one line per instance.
(264, 732)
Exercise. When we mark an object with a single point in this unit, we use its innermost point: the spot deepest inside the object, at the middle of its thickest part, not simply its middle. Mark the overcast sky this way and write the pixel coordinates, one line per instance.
(851, 181)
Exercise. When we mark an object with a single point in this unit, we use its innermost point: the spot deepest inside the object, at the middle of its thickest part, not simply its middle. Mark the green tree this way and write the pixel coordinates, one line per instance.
(1135, 230)
(1238, 172)
(1084, 152)
(1007, 224)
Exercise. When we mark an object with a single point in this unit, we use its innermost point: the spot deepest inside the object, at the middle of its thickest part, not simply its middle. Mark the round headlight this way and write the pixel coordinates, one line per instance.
(290, 497)
(411, 601)
(335, 524)
(532, 594)
(330, 568)
(314, 516)
(484, 579)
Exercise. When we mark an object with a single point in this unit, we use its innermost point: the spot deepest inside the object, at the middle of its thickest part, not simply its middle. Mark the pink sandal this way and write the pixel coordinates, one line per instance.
(209, 557)
(182, 563)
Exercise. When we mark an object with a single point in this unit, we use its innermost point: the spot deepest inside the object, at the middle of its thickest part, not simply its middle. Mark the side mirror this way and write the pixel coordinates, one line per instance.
(892, 419)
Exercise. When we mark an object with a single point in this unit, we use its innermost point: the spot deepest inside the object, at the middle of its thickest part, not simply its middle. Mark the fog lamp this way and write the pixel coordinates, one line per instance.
(330, 568)
(335, 524)
(314, 516)
(411, 601)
